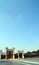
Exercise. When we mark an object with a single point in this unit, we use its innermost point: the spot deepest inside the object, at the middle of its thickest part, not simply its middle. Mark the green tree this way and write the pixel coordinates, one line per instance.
(37, 52)
(28, 53)
(33, 51)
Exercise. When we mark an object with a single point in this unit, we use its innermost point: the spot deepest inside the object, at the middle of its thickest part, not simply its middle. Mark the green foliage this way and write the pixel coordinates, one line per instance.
(28, 52)
(36, 52)
(33, 51)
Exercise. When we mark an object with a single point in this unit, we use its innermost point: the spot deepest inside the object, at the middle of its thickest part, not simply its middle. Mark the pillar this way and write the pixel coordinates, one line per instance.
(6, 51)
(13, 53)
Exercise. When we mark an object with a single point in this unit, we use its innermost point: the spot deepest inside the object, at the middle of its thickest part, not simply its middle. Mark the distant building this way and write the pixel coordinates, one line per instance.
(20, 54)
(10, 53)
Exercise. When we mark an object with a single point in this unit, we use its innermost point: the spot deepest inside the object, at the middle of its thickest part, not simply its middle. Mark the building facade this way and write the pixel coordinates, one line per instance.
(20, 54)
(10, 53)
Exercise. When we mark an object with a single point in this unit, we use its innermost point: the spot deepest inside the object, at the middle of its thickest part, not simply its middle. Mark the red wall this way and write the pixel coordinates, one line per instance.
(10, 54)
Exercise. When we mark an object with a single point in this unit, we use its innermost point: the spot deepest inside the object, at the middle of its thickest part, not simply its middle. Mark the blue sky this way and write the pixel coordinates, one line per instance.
(19, 24)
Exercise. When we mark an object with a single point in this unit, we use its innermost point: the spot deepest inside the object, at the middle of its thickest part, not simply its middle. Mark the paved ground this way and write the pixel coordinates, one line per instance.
(17, 62)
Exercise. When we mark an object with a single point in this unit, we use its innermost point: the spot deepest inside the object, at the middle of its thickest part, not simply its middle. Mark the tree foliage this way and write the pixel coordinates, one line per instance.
(29, 53)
